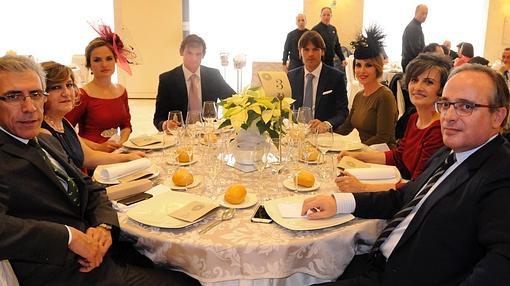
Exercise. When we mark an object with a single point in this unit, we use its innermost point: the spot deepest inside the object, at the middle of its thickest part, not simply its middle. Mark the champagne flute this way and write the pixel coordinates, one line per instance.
(259, 157)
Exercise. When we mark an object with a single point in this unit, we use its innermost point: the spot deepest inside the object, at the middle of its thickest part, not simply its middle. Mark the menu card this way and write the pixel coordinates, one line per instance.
(275, 83)
(193, 211)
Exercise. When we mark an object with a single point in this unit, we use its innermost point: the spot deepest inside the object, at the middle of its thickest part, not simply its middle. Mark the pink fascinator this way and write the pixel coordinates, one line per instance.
(124, 53)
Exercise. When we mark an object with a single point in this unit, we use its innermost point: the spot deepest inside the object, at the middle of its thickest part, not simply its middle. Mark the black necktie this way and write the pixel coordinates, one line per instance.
(72, 189)
(406, 210)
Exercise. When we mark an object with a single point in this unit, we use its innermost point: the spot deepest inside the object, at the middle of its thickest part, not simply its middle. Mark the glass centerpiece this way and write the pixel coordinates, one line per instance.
(254, 117)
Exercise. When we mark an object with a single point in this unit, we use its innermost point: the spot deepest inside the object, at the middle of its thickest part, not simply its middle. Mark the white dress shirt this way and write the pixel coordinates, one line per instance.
(347, 204)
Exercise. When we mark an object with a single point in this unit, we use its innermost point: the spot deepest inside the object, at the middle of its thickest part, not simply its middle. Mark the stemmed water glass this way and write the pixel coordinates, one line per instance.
(259, 157)
(304, 116)
(194, 124)
(324, 142)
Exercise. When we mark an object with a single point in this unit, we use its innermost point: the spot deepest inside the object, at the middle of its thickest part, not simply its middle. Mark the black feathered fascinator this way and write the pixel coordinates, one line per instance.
(369, 46)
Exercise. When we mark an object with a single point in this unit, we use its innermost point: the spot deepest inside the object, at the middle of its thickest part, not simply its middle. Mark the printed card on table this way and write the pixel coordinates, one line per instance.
(145, 140)
(275, 83)
(193, 211)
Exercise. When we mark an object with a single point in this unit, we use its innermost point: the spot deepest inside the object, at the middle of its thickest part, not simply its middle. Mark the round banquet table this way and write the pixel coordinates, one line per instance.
(240, 252)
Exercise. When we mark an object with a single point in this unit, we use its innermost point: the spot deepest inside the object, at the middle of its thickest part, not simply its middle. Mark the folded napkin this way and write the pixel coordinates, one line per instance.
(373, 173)
(114, 171)
(145, 140)
(125, 190)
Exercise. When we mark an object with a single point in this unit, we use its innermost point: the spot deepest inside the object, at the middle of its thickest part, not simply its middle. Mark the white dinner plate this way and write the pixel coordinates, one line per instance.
(302, 223)
(314, 162)
(153, 169)
(250, 200)
(170, 162)
(196, 181)
(291, 185)
(167, 141)
(155, 210)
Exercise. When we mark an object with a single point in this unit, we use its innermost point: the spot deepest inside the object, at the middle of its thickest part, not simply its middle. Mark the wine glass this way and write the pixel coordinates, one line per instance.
(210, 111)
(194, 124)
(175, 124)
(304, 116)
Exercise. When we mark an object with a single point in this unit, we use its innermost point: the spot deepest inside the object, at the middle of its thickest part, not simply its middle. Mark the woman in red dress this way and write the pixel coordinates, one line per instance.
(103, 116)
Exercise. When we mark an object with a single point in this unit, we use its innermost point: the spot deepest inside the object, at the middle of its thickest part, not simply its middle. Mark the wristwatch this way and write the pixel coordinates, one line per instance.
(105, 226)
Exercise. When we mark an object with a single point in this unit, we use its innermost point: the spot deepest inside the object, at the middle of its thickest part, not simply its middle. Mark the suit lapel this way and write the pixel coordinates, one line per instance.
(451, 184)
(181, 86)
(300, 87)
(20, 150)
(323, 78)
(74, 173)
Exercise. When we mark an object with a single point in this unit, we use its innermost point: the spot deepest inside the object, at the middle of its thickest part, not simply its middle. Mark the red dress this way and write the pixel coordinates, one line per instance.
(95, 115)
(415, 148)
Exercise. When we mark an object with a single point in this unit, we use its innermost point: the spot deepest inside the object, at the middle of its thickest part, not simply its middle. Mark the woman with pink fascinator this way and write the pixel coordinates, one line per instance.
(104, 108)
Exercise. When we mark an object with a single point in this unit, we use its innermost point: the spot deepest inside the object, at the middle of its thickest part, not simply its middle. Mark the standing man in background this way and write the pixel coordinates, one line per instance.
(290, 50)
(413, 40)
(329, 34)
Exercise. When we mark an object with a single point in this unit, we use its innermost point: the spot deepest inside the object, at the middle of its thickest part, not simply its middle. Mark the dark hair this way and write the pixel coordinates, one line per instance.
(479, 60)
(192, 41)
(467, 50)
(94, 44)
(431, 48)
(501, 95)
(446, 50)
(329, 8)
(507, 49)
(311, 37)
(426, 61)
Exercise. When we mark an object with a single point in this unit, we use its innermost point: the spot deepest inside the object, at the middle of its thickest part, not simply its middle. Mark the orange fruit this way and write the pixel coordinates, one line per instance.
(182, 178)
(235, 194)
(183, 156)
(312, 152)
(305, 179)
(210, 138)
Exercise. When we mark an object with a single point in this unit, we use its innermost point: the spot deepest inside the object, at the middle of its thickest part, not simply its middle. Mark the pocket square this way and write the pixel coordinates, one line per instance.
(327, 92)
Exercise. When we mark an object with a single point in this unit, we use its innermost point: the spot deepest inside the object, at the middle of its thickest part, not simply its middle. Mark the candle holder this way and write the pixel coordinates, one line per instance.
(239, 64)
(224, 63)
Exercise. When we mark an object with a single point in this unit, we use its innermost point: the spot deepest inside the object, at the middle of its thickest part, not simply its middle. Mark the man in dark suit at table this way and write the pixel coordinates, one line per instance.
(57, 225)
(187, 86)
(451, 225)
(318, 86)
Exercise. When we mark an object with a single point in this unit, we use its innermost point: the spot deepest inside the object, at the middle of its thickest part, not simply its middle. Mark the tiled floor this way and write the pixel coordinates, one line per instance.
(142, 112)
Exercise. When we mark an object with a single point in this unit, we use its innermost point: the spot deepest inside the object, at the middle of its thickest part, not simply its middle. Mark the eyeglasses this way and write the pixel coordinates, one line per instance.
(462, 108)
(18, 97)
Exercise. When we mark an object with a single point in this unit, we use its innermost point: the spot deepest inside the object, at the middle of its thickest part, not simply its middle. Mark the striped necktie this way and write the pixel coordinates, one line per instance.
(406, 210)
(72, 189)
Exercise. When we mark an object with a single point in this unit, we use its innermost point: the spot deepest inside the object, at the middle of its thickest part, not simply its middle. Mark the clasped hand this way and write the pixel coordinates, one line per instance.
(90, 246)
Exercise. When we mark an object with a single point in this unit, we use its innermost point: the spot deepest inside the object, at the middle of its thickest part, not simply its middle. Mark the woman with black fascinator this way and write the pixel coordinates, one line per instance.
(374, 109)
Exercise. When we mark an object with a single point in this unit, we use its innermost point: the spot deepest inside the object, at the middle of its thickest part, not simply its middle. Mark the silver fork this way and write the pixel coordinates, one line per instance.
(225, 215)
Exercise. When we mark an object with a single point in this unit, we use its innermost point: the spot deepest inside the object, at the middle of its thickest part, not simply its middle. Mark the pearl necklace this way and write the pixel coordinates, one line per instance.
(54, 125)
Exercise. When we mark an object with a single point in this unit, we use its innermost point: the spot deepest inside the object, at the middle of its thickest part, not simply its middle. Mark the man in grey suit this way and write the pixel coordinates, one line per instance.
(449, 226)
(57, 226)
(187, 86)
(318, 86)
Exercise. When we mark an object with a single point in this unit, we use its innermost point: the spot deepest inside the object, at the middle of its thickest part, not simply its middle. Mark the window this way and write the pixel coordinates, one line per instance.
(51, 30)
(256, 28)
(455, 20)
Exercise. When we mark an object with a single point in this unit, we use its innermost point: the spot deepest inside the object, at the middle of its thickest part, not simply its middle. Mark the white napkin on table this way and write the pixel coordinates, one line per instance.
(373, 173)
(114, 171)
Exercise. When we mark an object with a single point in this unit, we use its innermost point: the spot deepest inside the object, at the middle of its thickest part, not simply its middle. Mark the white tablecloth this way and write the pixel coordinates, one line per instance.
(239, 252)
